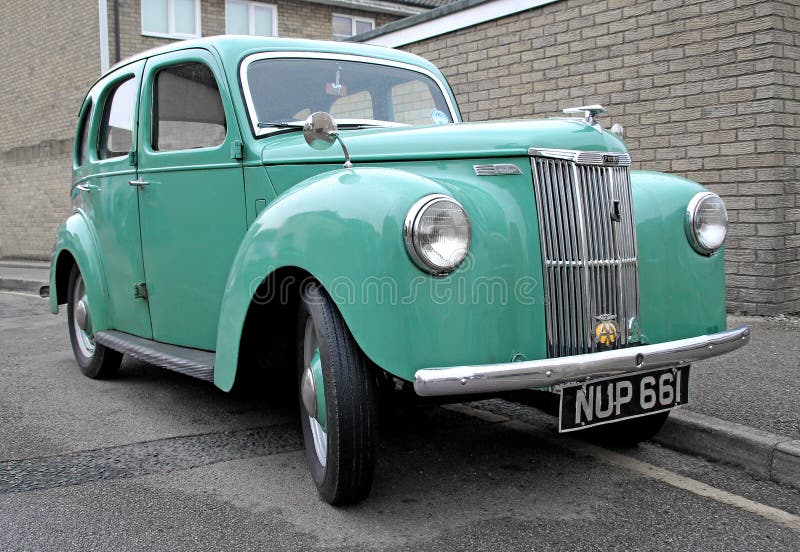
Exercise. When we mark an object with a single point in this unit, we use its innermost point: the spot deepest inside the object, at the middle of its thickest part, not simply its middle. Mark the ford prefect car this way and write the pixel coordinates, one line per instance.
(245, 204)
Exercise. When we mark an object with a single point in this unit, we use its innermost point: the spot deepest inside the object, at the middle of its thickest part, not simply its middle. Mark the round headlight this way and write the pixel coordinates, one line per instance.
(706, 222)
(437, 233)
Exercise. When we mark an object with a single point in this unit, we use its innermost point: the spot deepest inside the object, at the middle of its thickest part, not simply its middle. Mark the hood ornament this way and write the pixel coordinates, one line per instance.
(589, 113)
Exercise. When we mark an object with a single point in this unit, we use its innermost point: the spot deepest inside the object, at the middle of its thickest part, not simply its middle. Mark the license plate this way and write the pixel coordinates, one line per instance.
(616, 398)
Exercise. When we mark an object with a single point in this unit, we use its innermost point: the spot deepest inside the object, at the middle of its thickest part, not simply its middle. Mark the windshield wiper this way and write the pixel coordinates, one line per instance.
(299, 124)
(282, 124)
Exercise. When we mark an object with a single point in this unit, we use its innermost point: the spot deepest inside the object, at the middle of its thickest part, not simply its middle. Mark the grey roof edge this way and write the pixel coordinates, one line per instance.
(394, 7)
(417, 19)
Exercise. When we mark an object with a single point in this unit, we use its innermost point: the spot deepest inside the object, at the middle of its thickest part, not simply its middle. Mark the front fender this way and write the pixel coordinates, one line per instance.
(682, 293)
(76, 237)
(345, 228)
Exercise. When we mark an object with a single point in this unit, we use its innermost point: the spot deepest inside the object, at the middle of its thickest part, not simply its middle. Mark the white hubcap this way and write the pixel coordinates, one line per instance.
(309, 396)
(80, 319)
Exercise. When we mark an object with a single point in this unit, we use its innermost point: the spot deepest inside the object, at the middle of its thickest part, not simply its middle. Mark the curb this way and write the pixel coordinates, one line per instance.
(15, 284)
(766, 455)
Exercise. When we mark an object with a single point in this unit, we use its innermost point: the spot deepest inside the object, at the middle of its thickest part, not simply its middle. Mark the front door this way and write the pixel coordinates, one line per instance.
(192, 203)
(106, 167)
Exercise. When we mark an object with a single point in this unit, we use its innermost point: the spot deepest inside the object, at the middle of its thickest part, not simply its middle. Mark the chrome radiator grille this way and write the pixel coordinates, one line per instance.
(588, 248)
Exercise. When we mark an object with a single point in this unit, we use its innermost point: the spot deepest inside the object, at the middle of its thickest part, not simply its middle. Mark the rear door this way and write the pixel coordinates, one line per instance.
(192, 202)
(106, 164)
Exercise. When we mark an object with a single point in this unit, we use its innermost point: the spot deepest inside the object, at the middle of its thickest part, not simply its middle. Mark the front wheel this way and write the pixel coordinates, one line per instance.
(338, 401)
(95, 360)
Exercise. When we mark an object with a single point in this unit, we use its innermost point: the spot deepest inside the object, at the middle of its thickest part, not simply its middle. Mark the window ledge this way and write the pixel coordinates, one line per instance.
(172, 36)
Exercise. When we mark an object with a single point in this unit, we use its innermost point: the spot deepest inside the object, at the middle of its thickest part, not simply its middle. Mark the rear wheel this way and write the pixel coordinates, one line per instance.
(95, 360)
(338, 401)
(628, 432)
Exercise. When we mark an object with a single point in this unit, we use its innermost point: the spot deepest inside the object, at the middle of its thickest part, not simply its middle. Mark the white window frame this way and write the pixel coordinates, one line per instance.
(251, 20)
(171, 23)
(353, 19)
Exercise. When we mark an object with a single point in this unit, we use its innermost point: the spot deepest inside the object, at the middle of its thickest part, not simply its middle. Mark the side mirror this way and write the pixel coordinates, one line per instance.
(320, 131)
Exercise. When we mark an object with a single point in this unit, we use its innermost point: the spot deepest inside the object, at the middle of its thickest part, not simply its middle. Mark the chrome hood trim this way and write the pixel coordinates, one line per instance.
(603, 158)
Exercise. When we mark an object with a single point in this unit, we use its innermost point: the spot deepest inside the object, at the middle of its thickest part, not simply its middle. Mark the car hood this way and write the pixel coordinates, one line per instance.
(453, 141)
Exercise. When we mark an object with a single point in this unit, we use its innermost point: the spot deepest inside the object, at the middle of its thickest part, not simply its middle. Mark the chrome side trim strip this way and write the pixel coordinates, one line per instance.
(495, 378)
(602, 158)
(500, 169)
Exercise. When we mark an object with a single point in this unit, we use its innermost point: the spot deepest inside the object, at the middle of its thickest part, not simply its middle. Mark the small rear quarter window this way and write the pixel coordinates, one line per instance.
(82, 147)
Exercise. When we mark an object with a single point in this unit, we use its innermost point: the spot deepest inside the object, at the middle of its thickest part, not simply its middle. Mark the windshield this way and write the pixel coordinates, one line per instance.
(285, 90)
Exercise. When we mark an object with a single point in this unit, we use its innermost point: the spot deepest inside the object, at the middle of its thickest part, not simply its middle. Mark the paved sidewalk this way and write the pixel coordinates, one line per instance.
(758, 385)
(28, 276)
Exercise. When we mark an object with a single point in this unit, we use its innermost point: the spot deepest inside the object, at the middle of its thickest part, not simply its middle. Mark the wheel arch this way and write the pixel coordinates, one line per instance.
(267, 345)
(63, 267)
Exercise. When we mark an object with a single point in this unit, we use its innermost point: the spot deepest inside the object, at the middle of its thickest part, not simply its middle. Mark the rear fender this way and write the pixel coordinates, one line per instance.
(76, 238)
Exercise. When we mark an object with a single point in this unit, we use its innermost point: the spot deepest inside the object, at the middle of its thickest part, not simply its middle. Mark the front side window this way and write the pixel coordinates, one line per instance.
(116, 132)
(345, 26)
(355, 92)
(187, 109)
(171, 18)
(251, 18)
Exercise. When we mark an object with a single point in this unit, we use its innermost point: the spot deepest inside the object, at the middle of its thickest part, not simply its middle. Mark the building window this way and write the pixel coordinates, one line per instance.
(345, 26)
(171, 18)
(251, 18)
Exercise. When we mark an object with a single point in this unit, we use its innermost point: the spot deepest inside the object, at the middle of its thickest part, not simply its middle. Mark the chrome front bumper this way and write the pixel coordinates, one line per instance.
(494, 378)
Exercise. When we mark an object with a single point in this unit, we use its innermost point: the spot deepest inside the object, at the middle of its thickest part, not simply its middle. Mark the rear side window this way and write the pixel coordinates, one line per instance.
(187, 109)
(82, 147)
(116, 132)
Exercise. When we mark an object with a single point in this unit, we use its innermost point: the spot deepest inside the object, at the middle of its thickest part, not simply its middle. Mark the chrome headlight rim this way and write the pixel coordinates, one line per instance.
(411, 234)
(692, 224)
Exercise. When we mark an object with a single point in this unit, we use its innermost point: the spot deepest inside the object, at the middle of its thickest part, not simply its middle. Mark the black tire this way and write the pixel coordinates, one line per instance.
(628, 432)
(351, 404)
(97, 361)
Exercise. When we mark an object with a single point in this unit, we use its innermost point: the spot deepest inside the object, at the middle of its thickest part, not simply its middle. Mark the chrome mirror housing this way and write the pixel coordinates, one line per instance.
(321, 131)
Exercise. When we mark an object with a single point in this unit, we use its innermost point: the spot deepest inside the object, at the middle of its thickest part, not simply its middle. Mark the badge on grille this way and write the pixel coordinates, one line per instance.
(605, 331)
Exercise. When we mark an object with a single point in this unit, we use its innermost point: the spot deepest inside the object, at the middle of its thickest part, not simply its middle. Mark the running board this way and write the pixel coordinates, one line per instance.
(191, 362)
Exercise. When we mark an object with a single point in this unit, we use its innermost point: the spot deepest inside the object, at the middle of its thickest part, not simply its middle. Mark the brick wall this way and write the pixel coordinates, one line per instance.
(708, 89)
(51, 55)
(41, 86)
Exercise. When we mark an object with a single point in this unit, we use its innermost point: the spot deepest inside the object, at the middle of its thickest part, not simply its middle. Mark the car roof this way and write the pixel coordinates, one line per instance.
(234, 47)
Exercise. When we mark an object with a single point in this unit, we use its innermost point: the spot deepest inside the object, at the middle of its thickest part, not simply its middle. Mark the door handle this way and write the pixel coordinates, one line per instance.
(84, 187)
(139, 183)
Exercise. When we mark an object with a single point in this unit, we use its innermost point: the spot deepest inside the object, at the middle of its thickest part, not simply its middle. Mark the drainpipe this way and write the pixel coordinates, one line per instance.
(102, 9)
(117, 56)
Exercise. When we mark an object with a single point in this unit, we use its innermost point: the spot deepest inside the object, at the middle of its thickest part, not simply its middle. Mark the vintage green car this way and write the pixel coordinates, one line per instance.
(244, 204)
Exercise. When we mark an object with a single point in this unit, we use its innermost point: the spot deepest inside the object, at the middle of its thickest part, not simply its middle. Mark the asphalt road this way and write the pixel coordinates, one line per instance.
(158, 461)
